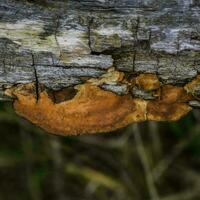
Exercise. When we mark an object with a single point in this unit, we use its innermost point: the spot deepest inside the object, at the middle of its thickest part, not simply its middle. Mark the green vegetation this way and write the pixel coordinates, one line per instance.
(143, 162)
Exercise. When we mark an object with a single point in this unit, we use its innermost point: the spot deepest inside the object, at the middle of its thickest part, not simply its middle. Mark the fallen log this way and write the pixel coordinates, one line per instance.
(75, 67)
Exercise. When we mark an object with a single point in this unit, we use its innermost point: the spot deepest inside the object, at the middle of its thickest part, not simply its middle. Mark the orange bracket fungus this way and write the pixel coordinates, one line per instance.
(89, 109)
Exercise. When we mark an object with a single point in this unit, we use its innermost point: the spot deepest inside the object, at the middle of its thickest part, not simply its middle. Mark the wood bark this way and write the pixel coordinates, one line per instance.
(63, 43)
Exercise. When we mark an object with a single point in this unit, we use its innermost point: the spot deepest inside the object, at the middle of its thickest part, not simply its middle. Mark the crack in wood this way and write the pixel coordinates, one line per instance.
(36, 79)
(90, 22)
(135, 41)
(56, 31)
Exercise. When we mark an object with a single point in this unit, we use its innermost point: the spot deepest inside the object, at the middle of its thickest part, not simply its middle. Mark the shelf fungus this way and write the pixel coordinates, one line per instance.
(88, 109)
(193, 87)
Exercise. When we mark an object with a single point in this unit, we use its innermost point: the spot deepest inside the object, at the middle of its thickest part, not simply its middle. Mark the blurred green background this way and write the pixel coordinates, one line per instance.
(146, 161)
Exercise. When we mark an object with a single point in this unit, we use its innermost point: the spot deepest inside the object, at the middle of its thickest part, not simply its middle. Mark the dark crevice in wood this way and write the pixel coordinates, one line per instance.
(90, 22)
(62, 95)
(4, 66)
(56, 28)
(97, 53)
(137, 28)
(36, 78)
(134, 58)
(149, 41)
(135, 41)
(178, 47)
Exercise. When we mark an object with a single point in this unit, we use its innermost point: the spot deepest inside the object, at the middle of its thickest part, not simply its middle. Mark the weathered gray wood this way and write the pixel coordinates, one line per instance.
(62, 43)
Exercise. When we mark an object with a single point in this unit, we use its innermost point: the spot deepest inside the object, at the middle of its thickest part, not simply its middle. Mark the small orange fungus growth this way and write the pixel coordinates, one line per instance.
(171, 106)
(193, 86)
(148, 82)
(89, 109)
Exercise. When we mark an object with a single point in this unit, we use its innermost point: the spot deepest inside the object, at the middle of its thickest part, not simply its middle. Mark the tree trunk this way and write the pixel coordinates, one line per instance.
(63, 43)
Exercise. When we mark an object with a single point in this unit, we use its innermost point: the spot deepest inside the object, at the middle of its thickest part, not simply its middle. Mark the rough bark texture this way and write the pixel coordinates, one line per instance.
(64, 43)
